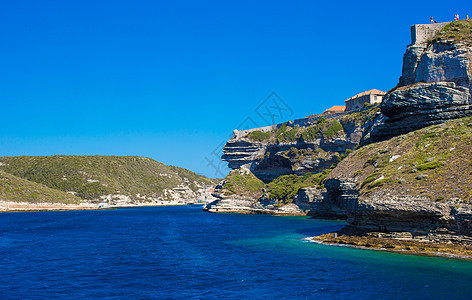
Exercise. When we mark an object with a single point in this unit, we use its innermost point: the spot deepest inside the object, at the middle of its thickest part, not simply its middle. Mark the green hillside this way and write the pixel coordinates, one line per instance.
(93, 176)
(16, 189)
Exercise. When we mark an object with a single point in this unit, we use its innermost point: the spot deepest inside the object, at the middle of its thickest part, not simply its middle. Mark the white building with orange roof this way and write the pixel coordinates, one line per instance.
(370, 97)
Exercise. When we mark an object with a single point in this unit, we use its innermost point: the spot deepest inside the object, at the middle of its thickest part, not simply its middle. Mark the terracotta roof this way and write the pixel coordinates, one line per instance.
(373, 91)
(336, 108)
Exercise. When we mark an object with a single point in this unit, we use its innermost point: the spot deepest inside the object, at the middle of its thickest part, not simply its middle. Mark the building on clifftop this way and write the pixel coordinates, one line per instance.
(335, 109)
(370, 97)
(420, 33)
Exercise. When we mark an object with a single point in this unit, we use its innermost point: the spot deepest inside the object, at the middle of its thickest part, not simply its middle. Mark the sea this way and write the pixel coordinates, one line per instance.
(181, 252)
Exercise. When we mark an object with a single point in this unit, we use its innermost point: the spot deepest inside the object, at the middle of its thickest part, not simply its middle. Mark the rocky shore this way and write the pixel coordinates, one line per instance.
(420, 243)
(249, 206)
(8, 206)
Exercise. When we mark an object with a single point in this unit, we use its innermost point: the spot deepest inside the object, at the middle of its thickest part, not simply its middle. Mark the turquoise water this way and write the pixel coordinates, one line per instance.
(182, 252)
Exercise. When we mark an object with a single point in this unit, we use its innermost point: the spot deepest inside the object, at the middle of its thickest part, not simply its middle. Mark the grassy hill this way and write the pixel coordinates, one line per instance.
(90, 177)
(17, 189)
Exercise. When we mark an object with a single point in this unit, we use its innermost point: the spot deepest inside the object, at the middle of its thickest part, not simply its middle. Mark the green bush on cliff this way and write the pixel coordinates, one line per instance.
(361, 117)
(312, 132)
(379, 183)
(286, 187)
(370, 178)
(280, 131)
(291, 135)
(286, 134)
(321, 128)
(245, 184)
(317, 179)
(332, 128)
(259, 136)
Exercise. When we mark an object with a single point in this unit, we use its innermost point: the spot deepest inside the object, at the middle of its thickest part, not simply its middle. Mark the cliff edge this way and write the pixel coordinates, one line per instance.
(436, 81)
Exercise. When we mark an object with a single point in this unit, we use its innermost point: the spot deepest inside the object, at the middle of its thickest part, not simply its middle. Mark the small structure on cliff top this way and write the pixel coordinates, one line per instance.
(420, 33)
(335, 109)
(369, 97)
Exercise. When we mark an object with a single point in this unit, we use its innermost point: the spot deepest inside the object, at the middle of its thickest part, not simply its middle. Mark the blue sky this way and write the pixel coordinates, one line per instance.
(171, 80)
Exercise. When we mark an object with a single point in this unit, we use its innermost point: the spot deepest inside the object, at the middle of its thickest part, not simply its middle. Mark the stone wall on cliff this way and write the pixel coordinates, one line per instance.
(420, 33)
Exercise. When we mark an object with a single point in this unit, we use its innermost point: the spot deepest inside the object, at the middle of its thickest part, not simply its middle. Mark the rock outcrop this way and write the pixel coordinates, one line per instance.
(437, 61)
(308, 201)
(240, 152)
(312, 148)
(436, 81)
(249, 206)
(420, 105)
(414, 182)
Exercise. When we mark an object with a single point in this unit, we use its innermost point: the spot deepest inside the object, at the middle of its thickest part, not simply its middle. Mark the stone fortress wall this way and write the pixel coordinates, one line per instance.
(420, 33)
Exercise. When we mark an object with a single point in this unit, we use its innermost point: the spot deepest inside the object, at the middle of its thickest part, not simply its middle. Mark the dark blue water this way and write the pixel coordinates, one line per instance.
(182, 252)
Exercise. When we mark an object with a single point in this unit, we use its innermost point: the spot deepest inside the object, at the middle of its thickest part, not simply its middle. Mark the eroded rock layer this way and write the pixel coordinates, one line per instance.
(420, 105)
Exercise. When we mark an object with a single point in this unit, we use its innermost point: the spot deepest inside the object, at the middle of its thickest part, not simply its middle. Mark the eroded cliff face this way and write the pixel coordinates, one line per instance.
(439, 61)
(308, 201)
(413, 180)
(294, 149)
(423, 104)
(307, 148)
(435, 85)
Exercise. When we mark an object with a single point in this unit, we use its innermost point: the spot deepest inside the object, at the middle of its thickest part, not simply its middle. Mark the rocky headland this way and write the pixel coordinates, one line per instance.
(269, 165)
(399, 172)
(65, 182)
(435, 85)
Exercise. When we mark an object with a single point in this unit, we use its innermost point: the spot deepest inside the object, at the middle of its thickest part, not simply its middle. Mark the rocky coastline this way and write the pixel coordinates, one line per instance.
(438, 243)
(8, 206)
(400, 173)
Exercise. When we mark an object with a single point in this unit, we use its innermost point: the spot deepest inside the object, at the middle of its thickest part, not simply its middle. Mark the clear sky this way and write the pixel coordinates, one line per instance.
(171, 80)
